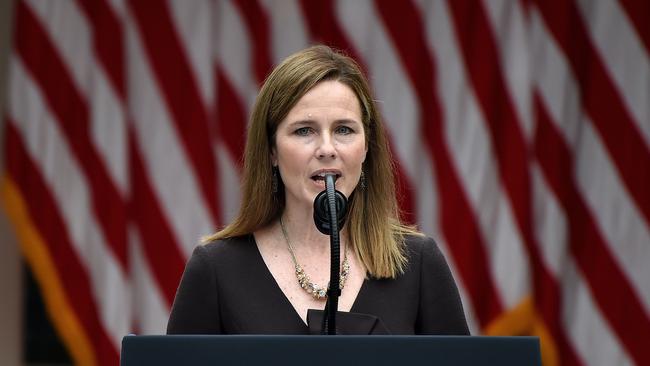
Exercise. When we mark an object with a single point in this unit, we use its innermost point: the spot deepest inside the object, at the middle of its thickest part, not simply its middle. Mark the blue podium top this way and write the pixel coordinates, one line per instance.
(328, 350)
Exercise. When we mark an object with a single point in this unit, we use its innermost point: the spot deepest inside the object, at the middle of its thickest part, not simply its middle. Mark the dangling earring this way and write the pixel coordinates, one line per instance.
(362, 180)
(274, 180)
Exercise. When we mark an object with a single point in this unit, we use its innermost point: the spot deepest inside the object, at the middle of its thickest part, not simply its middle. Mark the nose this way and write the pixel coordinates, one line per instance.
(326, 148)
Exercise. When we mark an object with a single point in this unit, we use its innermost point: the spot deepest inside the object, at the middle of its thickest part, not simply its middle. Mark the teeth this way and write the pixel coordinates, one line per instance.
(322, 175)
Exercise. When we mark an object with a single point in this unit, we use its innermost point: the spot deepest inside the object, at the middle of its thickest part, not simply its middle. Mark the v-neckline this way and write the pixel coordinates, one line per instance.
(269, 277)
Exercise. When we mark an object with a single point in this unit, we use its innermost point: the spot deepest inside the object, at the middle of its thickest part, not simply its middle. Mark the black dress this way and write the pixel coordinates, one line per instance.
(227, 289)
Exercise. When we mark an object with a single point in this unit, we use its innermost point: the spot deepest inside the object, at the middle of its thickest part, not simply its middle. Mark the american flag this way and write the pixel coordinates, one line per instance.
(521, 131)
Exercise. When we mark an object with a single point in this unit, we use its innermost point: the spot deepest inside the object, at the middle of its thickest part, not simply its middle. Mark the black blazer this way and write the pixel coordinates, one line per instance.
(227, 289)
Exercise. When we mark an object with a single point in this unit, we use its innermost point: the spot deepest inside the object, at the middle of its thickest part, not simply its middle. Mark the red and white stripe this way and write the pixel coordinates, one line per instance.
(521, 131)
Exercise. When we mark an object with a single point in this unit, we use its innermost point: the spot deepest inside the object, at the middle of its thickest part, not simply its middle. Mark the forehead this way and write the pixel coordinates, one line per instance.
(328, 96)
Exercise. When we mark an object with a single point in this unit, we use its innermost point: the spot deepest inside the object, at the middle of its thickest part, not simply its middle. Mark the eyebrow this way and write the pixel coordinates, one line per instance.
(309, 122)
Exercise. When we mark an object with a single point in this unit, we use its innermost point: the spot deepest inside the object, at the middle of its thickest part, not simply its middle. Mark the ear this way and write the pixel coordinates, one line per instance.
(274, 157)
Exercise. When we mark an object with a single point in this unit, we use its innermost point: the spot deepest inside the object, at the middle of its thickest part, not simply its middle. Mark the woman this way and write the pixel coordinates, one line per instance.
(267, 269)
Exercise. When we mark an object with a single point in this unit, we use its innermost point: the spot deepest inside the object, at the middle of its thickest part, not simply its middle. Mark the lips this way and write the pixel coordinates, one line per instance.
(319, 175)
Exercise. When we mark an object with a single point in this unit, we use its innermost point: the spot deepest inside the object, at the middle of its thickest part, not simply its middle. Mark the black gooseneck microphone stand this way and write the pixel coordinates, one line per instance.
(330, 207)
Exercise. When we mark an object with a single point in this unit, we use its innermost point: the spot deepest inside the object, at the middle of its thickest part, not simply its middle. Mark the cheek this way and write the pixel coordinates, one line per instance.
(292, 159)
(359, 153)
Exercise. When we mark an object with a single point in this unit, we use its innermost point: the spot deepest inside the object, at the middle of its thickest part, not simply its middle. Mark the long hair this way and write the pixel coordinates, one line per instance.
(374, 227)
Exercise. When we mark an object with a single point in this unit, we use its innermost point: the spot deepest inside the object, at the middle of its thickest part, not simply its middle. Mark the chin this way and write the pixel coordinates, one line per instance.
(313, 189)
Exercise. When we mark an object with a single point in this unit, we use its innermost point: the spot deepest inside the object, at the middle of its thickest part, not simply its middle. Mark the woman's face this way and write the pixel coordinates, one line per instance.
(322, 133)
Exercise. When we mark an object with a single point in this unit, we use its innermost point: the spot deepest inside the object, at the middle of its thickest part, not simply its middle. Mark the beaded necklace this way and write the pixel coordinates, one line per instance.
(304, 281)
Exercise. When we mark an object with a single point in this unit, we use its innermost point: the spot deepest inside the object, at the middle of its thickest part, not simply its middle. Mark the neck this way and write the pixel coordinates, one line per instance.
(303, 232)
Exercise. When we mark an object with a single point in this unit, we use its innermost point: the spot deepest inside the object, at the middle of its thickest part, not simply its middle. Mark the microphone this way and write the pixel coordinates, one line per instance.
(322, 209)
(330, 207)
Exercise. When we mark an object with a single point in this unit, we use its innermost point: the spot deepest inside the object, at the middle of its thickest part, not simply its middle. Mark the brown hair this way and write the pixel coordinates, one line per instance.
(374, 228)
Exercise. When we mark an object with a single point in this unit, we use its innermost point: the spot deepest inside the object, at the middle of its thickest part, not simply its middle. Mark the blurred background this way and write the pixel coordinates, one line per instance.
(521, 132)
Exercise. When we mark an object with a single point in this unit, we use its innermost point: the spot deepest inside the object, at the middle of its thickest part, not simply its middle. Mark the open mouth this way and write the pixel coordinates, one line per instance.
(321, 176)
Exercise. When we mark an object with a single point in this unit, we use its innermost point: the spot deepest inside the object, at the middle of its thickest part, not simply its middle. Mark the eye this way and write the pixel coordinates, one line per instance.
(302, 131)
(344, 130)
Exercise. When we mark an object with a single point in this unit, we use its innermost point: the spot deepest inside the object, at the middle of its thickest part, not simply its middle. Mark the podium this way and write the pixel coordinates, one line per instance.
(199, 350)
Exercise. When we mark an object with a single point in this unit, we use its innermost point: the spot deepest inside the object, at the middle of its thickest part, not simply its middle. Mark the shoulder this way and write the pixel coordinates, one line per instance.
(223, 252)
(225, 246)
(424, 254)
(420, 245)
